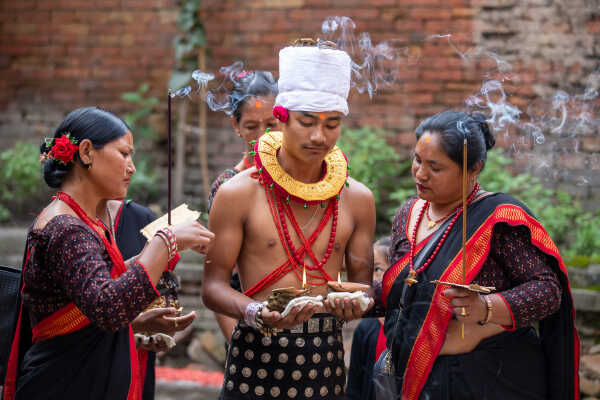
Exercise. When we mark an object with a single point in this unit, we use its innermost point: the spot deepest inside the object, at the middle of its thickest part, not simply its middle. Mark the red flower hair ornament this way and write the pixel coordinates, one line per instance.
(281, 113)
(63, 149)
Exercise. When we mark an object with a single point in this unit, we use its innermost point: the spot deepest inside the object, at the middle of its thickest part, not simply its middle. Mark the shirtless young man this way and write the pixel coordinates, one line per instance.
(261, 218)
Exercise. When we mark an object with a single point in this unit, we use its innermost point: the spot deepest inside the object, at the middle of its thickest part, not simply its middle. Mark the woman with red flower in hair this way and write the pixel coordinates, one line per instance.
(73, 337)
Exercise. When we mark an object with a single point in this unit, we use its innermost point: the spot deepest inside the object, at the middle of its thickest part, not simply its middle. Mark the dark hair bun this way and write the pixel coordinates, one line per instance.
(488, 137)
(54, 173)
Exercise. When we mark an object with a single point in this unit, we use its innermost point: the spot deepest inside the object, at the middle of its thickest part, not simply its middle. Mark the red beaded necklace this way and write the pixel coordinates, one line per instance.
(279, 209)
(411, 279)
(286, 210)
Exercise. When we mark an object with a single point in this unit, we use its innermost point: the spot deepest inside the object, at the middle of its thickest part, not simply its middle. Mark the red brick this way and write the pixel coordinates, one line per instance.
(430, 13)
(442, 75)
(18, 5)
(591, 144)
(593, 26)
(464, 12)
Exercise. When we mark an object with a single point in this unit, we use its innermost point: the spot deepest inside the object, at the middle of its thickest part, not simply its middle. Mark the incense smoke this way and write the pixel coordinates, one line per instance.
(544, 132)
(373, 66)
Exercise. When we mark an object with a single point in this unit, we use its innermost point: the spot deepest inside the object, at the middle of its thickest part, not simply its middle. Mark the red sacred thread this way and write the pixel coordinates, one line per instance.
(284, 268)
(332, 210)
(413, 240)
(290, 264)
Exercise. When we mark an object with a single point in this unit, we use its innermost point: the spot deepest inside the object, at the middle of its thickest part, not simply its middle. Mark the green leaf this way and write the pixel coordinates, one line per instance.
(197, 37)
(132, 97)
(144, 88)
(179, 79)
(186, 21)
(182, 47)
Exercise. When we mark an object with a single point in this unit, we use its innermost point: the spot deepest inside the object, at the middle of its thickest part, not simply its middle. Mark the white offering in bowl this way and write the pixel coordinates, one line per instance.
(363, 299)
(302, 301)
(351, 290)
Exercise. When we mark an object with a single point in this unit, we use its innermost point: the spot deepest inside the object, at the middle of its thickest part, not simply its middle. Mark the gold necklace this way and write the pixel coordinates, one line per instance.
(336, 171)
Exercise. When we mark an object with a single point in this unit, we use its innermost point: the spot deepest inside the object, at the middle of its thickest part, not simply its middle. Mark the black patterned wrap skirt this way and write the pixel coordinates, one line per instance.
(305, 362)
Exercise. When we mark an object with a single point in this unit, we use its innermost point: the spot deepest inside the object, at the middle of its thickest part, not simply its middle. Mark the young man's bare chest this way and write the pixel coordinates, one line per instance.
(266, 244)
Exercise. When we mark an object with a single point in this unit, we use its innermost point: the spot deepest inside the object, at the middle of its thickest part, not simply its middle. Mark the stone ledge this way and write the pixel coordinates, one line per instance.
(12, 242)
(583, 277)
(189, 272)
(586, 300)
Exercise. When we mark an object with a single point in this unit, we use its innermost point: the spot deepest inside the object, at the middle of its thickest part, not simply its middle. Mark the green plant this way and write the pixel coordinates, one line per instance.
(192, 36)
(138, 119)
(144, 186)
(20, 179)
(374, 163)
(144, 183)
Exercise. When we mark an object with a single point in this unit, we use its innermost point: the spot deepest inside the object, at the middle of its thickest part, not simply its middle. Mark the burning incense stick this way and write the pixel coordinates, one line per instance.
(169, 156)
(464, 228)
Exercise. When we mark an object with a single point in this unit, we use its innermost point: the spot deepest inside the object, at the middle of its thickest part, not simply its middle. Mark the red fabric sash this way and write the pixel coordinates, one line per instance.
(12, 369)
(64, 321)
(10, 382)
(433, 332)
(392, 273)
(381, 343)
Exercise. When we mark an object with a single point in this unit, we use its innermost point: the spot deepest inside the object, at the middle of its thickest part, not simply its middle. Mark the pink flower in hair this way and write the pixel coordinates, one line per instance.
(281, 113)
(242, 74)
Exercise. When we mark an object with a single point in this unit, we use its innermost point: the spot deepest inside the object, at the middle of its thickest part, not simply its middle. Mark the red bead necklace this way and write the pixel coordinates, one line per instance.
(332, 211)
(413, 241)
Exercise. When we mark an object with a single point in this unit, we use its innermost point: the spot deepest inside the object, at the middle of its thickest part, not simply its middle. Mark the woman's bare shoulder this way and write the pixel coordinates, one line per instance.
(54, 209)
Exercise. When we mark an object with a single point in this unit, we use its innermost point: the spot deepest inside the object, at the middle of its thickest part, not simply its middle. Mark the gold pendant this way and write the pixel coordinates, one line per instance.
(411, 279)
(431, 224)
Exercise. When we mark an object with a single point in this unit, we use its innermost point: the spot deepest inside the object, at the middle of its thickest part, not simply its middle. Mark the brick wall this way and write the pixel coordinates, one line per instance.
(60, 54)
(56, 55)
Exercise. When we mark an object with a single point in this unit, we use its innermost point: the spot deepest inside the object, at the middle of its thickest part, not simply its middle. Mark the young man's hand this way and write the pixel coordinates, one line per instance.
(297, 315)
(346, 309)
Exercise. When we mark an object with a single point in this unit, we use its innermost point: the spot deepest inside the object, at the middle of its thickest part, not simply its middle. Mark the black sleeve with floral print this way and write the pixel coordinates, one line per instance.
(68, 263)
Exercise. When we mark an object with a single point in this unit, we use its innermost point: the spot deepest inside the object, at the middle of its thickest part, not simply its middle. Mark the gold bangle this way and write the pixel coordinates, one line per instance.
(488, 314)
(165, 240)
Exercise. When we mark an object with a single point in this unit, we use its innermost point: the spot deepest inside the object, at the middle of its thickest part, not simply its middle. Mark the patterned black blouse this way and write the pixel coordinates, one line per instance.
(520, 272)
(69, 263)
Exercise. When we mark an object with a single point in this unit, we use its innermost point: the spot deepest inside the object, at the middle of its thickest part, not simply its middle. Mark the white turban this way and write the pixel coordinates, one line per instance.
(313, 79)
